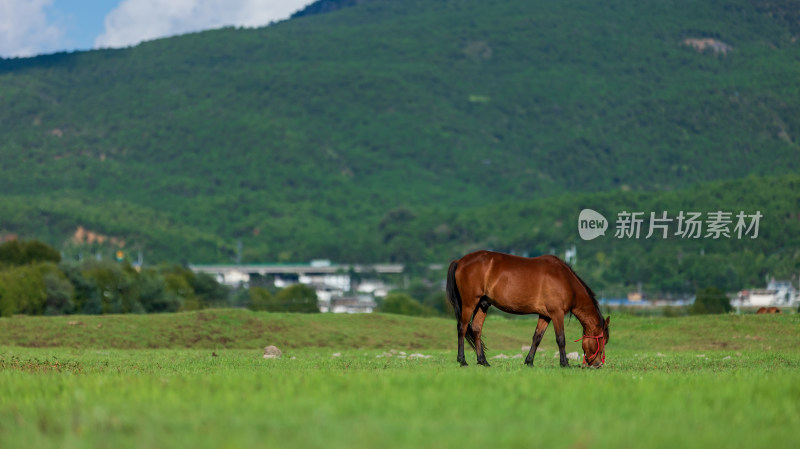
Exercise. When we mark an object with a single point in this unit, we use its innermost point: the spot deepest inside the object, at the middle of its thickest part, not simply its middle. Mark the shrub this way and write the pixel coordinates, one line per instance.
(153, 293)
(115, 285)
(179, 285)
(23, 289)
(298, 298)
(59, 294)
(673, 311)
(86, 296)
(402, 304)
(96, 287)
(208, 290)
(710, 300)
(262, 299)
(18, 252)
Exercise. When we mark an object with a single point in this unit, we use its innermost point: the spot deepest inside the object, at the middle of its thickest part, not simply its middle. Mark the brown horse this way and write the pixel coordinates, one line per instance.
(763, 310)
(544, 285)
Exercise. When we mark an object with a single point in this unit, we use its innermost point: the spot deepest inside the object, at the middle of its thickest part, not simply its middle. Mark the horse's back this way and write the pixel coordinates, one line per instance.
(516, 284)
(489, 261)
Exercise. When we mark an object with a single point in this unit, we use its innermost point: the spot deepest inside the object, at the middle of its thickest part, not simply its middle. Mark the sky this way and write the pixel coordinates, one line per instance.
(34, 27)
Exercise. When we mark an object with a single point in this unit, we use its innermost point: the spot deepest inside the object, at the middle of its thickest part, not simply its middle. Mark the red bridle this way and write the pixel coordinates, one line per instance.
(600, 344)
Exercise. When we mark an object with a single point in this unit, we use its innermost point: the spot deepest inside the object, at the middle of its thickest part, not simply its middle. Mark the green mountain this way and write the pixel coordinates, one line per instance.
(315, 136)
(326, 6)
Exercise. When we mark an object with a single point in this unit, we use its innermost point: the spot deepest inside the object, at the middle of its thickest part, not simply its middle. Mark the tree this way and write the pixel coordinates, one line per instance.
(710, 300)
(262, 299)
(59, 293)
(153, 293)
(36, 251)
(116, 286)
(402, 304)
(86, 295)
(23, 289)
(181, 281)
(298, 298)
(208, 290)
(437, 301)
(18, 252)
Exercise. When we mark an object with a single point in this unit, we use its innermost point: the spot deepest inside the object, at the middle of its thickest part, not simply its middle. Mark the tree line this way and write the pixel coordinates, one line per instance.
(34, 280)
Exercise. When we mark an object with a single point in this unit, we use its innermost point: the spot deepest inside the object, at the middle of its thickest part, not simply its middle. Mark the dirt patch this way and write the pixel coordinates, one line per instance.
(478, 51)
(83, 235)
(206, 316)
(38, 366)
(704, 44)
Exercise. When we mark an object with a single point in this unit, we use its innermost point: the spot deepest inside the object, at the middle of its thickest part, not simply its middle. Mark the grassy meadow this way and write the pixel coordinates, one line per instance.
(199, 380)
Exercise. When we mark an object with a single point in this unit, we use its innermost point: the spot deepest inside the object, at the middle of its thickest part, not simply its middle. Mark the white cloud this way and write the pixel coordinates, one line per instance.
(24, 28)
(134, 21)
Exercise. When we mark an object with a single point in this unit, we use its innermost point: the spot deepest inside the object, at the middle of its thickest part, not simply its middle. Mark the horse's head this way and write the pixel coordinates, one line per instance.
(594, 347)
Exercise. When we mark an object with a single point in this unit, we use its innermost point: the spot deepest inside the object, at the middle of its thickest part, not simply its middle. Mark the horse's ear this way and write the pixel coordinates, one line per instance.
(608, 320)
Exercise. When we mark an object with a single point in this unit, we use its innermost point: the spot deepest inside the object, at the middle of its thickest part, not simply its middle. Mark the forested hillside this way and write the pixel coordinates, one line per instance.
(678, 262)
(319, 136)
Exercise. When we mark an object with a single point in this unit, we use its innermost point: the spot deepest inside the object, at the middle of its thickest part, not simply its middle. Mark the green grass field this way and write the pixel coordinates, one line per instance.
(199, 380)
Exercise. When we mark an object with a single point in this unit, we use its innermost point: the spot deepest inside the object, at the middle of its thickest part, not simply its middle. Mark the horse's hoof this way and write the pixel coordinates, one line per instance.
(463, 363)
(529, 363)
(484, 363)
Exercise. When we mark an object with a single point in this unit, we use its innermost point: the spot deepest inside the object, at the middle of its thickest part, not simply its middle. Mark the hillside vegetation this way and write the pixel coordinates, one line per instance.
(614, 265)
(316, 136)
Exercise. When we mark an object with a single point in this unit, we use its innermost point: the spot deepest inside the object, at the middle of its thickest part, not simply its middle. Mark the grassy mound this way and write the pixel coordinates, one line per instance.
(243, 329)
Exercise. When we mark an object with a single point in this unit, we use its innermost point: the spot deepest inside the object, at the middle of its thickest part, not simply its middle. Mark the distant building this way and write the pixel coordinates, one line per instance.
(761, 297)
(617, 302)
(318, 271)
(330, 281)
(635, 296)
(777, 293)
(374, 287)
(350, 304)
(784, 291)
(335, 281)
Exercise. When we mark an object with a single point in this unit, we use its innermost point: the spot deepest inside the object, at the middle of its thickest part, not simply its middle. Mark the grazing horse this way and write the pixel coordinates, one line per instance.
(544, 285)
(763, 310)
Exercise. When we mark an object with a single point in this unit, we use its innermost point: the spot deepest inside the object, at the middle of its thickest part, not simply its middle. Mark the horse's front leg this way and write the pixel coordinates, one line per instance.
(558, 324)
(541, 326)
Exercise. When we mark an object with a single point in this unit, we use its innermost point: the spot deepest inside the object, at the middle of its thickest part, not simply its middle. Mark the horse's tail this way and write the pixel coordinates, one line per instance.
(452, 290)
(455, 300)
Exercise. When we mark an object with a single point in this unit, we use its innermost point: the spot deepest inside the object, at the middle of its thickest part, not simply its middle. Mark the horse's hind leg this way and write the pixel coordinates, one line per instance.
(537, 338)
(461, 327)
(467, 310)
(477, 327)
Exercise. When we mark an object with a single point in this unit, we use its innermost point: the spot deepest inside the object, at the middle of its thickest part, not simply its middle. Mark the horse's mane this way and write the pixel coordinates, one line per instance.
(589, 291)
